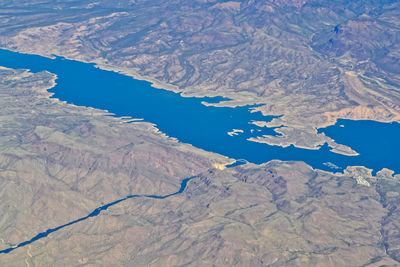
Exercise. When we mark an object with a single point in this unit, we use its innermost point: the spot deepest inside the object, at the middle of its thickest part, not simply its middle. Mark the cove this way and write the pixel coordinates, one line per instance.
(187, 119)
(378, 143)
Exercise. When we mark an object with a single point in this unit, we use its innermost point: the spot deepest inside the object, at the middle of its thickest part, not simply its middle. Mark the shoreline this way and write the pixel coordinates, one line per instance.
(233, 99)
(153, 126)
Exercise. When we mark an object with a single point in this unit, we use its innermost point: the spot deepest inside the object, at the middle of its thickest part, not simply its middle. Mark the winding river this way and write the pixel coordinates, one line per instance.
(94, 213)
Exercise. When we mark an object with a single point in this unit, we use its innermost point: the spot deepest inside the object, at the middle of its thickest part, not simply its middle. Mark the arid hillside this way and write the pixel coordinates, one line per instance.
(310, 61)
(87, 186)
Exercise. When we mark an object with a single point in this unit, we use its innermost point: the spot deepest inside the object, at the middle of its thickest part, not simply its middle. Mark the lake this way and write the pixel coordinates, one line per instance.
(188, 120)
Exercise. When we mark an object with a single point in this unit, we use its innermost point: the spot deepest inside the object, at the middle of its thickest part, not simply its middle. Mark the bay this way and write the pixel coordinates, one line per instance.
(206, 127)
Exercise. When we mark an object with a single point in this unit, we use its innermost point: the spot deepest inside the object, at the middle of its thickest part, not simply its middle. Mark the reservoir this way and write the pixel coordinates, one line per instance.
(188, 120)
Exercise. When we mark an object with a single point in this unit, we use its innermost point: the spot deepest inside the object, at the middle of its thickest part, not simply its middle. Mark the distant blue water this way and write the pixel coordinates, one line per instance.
(206, 127)
(378, 143)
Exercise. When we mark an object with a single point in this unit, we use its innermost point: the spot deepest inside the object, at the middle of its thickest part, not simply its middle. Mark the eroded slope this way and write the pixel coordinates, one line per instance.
(310, 61)
(59, 162)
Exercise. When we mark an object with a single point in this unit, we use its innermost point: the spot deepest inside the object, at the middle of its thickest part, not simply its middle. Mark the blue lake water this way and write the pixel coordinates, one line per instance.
(378, 143)
(206, 127)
